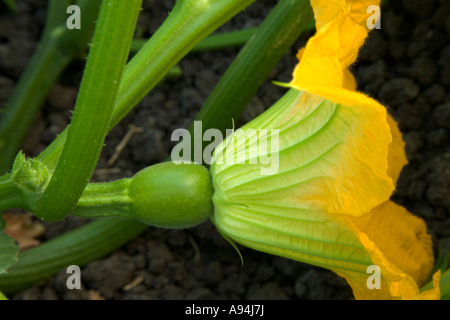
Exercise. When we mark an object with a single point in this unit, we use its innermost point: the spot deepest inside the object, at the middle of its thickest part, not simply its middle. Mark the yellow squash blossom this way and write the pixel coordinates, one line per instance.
(338, 158)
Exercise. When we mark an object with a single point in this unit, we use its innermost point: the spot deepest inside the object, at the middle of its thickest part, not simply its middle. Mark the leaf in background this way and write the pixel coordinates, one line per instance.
(2, 296)
(8, 249)
(11, 4)
(23, 229)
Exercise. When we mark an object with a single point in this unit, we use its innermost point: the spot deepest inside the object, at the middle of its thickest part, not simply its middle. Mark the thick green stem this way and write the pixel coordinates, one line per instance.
(225, 40)
(445, 285)
(92, 115)
(106, 199)
(58, 47)
(10, 196)
(213, 42)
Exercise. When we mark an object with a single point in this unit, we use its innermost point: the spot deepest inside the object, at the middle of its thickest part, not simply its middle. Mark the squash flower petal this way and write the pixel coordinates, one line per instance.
(398, 243)
(338, 155)
(286, 213)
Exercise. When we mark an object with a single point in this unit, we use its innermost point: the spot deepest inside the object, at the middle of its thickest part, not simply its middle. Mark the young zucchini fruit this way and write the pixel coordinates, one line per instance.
(171, 195)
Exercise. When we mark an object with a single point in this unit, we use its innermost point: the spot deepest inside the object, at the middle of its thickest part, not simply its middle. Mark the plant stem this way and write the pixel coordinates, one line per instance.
(91, 118)
(10, 196)
(57, 48)
(213, 42)
(105, 199)
(225, 40)
(445, 285)
(221, 40)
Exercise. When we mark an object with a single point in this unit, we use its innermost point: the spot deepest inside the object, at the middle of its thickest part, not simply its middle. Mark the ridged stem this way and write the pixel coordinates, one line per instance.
(105, 199)
(93, 110)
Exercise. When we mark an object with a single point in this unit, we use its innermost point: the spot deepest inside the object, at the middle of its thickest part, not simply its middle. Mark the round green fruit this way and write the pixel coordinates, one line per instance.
(172, 195)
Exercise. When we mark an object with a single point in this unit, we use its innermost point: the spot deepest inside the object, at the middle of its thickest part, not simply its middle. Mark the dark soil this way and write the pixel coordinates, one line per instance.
(405, 65)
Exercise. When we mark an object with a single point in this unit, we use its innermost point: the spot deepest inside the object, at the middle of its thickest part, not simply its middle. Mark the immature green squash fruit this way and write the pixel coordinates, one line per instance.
(183, 192)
